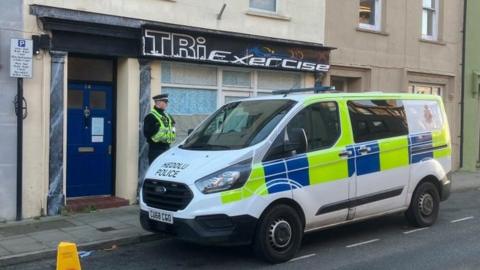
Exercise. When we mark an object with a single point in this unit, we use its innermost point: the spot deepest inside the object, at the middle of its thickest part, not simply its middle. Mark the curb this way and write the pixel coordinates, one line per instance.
(51, 253)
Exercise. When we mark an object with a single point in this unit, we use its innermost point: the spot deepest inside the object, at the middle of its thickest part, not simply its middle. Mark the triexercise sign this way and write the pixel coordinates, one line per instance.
(232, 50)
(21, 51)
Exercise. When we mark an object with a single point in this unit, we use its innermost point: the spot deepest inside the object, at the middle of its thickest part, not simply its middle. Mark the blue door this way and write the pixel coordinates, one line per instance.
(89, 139)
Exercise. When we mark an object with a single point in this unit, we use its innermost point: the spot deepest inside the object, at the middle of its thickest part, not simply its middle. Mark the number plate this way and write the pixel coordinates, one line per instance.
(162, 216)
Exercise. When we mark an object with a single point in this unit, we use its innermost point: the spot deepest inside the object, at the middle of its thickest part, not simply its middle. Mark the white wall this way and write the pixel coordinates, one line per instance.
(298, 20)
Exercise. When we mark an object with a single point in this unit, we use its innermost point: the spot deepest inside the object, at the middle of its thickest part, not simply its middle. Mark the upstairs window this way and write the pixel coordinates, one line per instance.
(369, 15)
(264, 5)
(430, 19)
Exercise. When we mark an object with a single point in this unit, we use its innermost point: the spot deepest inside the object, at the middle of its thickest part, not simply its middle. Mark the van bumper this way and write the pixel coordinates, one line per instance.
(219, 230)
(446, 188)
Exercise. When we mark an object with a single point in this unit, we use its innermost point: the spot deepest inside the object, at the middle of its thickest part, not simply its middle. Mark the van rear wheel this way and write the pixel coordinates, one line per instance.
(424, 207)
(279, 234)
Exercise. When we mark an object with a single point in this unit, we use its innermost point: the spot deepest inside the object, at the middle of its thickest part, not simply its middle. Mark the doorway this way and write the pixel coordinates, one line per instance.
(90, 127)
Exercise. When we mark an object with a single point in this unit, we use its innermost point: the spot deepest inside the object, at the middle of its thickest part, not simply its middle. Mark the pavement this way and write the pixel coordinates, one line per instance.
(107, 232)
(34, 239)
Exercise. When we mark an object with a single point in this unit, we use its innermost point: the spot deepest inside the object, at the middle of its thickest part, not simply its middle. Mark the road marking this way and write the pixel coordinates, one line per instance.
(363, 243)
(303, 257)
(416, 230)
(461, 219)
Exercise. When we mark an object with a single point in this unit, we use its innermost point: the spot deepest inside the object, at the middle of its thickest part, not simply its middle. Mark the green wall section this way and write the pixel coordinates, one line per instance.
(471, 101)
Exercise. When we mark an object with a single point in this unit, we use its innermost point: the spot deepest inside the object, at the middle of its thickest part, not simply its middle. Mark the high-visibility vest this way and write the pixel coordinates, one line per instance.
(165, 134)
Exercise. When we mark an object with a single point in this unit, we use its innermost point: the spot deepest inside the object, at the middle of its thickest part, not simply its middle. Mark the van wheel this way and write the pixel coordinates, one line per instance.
(279, 234)
(424, 207)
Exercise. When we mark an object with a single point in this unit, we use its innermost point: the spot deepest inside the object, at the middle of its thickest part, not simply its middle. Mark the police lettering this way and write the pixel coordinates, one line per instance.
(167, 173)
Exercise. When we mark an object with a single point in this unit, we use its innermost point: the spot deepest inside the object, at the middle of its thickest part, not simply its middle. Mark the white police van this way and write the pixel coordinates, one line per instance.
(264, 171)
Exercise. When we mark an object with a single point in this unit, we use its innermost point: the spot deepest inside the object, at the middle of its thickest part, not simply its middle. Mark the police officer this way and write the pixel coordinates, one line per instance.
(159, 128)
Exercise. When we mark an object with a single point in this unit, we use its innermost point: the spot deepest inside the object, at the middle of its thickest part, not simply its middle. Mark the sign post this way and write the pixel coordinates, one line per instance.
(21, 60)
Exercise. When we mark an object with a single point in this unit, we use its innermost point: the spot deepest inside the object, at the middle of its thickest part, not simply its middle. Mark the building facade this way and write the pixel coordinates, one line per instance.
(99, 63)
(399, 46)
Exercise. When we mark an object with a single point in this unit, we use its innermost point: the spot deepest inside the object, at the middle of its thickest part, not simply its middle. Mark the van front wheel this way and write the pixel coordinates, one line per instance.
(279, 234)
(424, 207)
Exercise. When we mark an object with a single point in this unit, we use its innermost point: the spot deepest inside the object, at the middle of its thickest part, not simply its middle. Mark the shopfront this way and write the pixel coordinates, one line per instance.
(105, 69)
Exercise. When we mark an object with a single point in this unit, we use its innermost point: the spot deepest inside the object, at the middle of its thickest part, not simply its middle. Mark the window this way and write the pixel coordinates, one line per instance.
(426, 89)
(321, 124)
(430, 19)
(240, 79)
(369, 15)
(98, 100)
(346, 84)
(264, 5)
(377, 119)
(75, 99)
(423, 115)
(189, 101)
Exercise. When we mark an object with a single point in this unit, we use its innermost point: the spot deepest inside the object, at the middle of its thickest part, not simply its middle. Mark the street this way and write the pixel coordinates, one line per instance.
(383, 243)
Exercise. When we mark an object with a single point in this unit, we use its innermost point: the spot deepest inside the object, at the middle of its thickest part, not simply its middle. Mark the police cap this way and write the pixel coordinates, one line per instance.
(161, 97)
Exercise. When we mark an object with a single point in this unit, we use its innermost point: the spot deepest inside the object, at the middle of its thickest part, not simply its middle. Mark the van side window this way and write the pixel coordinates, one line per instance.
(321, 123)
(377, 119)
(423, 115)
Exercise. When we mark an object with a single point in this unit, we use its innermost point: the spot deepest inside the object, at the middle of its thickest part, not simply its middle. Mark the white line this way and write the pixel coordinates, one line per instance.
(416, 230)
(303, 257)
(462, 219)
(363, 243)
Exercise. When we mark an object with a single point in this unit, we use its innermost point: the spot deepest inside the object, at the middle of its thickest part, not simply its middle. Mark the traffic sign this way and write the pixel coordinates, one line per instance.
(21, 53)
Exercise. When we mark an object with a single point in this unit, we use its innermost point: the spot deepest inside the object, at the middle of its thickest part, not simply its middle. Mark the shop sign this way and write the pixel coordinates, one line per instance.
(231, 50)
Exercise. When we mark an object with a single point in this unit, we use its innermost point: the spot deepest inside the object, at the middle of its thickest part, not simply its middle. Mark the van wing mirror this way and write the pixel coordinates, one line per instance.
(189, 131)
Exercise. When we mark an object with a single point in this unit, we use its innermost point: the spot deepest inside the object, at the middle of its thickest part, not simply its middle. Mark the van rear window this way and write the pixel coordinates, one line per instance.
(377, 119)
(423, 115)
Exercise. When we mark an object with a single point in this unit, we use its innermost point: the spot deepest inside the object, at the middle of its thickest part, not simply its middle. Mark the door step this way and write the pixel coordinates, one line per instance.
(88, 204)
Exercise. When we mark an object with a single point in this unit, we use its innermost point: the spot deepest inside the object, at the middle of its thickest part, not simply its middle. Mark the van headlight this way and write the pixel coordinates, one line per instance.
(231, 177)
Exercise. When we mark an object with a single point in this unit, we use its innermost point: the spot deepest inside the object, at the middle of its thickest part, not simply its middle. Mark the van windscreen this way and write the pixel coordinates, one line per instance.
(238, 124)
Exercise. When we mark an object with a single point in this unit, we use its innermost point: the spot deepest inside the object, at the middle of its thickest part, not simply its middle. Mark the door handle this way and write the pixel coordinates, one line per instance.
(345, 153)
(364, 150)
(110, 149)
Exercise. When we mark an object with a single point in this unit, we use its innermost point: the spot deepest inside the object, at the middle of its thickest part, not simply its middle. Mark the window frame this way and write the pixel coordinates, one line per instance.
(435, 21)
(378, 18)
(264, 10)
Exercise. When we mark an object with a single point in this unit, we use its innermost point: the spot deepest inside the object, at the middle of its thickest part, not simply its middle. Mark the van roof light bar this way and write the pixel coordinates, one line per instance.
(316, 90)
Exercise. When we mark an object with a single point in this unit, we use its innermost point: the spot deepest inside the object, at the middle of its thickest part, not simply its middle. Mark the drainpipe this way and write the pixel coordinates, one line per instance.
(462, 103)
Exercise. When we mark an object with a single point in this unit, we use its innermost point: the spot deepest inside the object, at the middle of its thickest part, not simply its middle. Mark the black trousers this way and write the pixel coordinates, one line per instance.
(154, 152)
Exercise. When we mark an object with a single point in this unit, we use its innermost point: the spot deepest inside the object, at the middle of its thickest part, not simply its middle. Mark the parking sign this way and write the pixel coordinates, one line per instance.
(21, 52)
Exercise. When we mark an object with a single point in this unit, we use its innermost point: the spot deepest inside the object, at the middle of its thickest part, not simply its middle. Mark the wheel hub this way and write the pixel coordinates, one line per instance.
(426, 204)
(280, 234)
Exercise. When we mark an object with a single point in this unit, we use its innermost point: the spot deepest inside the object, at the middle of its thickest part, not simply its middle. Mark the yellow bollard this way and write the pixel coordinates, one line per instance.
(67, 257)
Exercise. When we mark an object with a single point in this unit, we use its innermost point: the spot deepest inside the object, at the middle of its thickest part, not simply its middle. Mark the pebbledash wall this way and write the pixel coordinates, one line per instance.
(89, 30)
(385, 45)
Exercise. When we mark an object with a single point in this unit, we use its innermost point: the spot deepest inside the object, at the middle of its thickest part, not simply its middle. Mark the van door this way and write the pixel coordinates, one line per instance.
(380, 133)
(322, 176)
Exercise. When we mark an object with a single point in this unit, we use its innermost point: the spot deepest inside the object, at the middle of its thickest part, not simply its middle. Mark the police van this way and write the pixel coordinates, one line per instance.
(264, 171)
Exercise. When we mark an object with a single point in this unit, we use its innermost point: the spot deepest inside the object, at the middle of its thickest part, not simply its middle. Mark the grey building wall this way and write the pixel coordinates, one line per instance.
(11, 26)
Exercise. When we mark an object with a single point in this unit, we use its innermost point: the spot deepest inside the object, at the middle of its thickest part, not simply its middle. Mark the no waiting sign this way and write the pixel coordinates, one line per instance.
(21, 51)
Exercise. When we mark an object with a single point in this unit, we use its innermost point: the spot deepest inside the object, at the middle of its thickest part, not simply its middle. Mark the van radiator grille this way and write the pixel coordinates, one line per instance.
(166, 195)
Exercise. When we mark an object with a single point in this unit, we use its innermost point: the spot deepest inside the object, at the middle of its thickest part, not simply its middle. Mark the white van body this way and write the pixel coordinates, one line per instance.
(368, 158)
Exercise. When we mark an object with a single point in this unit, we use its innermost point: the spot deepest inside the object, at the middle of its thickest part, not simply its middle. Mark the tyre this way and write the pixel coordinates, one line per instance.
(424, 207)
(279, 234)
